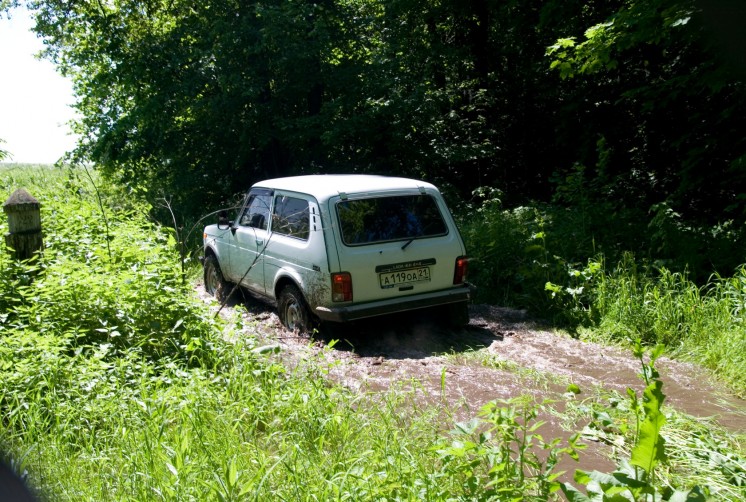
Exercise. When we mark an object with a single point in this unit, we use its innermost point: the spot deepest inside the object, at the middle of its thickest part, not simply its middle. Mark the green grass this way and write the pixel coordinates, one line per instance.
(706, 325)
(534, 257)
(245, 430)
(699, 451)
(117, 383)
(521, 375)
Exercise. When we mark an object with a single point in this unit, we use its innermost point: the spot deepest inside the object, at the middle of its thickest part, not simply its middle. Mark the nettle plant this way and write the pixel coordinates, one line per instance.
(501, 455)
(636, 479)
(107, 276)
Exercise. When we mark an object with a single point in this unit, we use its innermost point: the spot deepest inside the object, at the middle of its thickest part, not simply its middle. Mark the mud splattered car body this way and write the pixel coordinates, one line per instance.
(341, 248)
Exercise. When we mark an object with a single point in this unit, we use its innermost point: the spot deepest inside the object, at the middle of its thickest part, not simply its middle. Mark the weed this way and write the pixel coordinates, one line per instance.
(117, 384)
(497, 456)
(646, 472)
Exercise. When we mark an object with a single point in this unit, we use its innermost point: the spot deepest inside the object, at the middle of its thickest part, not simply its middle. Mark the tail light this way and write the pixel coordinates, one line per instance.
(342, 287)
(459, 273)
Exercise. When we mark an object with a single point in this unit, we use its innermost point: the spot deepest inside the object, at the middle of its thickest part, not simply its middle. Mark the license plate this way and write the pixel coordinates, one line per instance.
(391, 279)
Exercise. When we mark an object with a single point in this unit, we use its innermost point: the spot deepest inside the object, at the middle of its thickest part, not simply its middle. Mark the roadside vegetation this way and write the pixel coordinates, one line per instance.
(117, 383)
(559, 264)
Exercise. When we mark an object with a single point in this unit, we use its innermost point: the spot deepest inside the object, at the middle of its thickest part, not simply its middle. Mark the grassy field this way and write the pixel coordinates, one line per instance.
(117, 383)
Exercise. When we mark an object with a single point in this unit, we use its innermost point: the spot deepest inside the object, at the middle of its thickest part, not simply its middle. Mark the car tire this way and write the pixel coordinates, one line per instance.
(215, 284)
(294, 314)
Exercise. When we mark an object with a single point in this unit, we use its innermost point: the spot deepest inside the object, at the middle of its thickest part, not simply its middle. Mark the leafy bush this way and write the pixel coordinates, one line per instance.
(116, 283)
(538, 258)
(116, 384)
(517, 260)
(501, 456)
(637, 478)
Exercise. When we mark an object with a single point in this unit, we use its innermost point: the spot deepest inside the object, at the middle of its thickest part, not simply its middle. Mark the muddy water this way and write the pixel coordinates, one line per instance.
(408, 352)
(388, 349)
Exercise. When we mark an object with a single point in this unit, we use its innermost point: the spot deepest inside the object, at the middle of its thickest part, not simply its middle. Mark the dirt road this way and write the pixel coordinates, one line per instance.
(500, 354)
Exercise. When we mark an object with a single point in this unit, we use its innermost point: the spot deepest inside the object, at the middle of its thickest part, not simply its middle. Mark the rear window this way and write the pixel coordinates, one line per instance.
(382, 219)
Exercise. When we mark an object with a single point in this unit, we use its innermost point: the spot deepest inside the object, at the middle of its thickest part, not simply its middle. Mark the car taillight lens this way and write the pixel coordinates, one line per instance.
(342, 287)
(459, 273)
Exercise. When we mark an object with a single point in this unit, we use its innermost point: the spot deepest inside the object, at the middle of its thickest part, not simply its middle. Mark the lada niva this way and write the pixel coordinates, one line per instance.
(340, 248)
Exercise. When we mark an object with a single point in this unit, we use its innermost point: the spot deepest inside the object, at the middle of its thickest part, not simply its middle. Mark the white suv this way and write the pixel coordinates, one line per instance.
(340, 248)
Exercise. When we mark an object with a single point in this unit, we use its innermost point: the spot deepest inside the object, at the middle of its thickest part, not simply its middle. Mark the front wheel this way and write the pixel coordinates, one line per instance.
(293, 311)
(215, 284)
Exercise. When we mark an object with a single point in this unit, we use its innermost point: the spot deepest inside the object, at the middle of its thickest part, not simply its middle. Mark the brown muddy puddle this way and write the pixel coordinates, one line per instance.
(499, 355)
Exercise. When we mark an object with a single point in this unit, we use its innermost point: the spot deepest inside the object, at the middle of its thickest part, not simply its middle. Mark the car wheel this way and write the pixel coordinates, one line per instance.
(293, 311)
(215, 284)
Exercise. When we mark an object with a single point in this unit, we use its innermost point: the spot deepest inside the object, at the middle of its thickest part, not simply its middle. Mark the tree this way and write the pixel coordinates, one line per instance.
(195, 101)
(676, 107)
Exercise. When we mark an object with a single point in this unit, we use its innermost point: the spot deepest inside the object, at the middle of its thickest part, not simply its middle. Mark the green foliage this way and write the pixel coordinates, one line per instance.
(516, 259)
(649, 449)
(538, 258)
(658, 306)
(193, 103)
(573, 300)
(502, 457)
(633, 118)
(496, 239)
(698, 451)
(116, 384)
(3, 154)
(636, 479)
(118, 287)
(656, 72)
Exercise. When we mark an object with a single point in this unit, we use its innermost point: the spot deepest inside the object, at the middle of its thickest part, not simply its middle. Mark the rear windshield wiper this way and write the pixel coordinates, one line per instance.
(406, 244)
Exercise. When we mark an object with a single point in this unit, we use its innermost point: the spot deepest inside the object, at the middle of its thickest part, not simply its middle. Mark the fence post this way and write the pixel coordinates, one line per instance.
(24, 224)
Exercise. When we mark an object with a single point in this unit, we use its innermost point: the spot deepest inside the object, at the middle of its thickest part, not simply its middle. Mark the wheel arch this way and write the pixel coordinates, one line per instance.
(209, 251)
(283, 279)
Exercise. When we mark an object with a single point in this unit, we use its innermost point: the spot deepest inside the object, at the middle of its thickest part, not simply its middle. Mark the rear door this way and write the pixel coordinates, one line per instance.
(396, 244)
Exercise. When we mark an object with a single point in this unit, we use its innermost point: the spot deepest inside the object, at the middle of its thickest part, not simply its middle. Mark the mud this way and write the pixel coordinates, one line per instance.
(499, 355)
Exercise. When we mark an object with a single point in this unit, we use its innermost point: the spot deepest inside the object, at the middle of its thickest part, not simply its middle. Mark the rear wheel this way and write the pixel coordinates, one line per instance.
(215, 284)
(293, 311)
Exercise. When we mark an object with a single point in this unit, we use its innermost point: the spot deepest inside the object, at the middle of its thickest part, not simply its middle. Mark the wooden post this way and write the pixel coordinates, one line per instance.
(24, 224)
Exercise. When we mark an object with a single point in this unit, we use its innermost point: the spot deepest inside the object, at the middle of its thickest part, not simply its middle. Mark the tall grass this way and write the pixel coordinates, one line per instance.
(246, 430)
(540, 258)
(702, 324)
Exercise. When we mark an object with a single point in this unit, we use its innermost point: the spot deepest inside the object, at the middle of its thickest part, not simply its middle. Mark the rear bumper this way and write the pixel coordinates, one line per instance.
(392, 306)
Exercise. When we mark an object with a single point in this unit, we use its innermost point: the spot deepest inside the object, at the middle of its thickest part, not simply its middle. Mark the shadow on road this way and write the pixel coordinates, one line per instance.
(411, 335)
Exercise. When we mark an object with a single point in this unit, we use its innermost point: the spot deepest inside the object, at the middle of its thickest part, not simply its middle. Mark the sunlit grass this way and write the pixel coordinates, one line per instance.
(698, 451)
(706, 325)
(117, 383)
(521, 375)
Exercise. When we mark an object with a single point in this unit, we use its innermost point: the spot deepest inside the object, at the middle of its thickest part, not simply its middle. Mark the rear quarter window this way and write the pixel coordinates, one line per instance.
(290, 217)
(382, 219)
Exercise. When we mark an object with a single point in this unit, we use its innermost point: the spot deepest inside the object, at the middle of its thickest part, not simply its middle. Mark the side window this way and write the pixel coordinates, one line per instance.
(256, 211)
(290, 217)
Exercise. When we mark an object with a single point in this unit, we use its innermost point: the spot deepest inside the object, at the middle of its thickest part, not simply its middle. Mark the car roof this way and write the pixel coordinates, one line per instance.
(325, 186)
